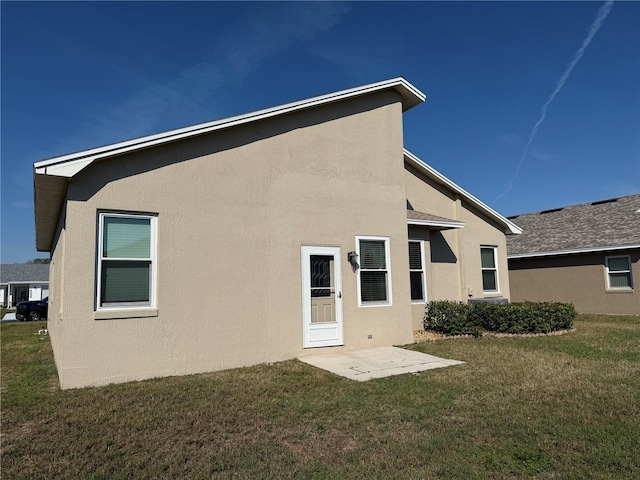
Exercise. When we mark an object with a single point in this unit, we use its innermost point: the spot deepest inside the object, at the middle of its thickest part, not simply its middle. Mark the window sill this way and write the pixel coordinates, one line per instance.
(491, 294)
(418, 302)
(619, 290)
(374, 304)
(125, 313)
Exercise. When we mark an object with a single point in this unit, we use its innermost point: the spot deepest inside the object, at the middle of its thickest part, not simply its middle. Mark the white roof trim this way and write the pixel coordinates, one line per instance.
(571, 251)
(69, 165)
(434, 223)
(483, 207)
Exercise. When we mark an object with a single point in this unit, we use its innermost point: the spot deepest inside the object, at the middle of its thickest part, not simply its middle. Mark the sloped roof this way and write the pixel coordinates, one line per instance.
(509, 227)
(24, 272)
(420, 218)
(50, 176)
(595, 226)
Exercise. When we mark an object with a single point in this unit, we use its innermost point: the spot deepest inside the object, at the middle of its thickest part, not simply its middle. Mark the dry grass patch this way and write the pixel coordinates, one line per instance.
(420, 336)
(539, 407)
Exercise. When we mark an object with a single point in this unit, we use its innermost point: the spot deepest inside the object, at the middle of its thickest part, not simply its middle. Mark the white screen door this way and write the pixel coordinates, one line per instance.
(321, 297)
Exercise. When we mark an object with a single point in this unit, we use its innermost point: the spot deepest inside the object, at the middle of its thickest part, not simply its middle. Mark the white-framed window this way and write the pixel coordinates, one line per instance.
(489, 259)
(374, 274)
(126, 273)
(619, 272)
(416, 271)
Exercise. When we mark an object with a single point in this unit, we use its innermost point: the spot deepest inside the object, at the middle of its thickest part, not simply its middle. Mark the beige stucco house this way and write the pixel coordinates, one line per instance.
(290, 231)
(587, 254)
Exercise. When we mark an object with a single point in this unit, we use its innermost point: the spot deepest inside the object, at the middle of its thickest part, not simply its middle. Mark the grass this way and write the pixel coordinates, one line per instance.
(538, 407)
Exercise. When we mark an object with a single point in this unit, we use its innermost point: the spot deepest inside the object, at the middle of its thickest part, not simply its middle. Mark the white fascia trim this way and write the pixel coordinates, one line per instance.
(71, 164)
(435, 223)
(570, 251)
(512, 227)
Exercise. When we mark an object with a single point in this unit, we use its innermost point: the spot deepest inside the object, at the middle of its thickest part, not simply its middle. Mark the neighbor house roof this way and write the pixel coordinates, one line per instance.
(612, 224)
(24, 272)
(508, 226)
(52, 175)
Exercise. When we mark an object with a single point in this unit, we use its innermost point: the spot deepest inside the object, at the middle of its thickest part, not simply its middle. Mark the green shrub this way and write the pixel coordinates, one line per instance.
(523, 317)
(450, 318)
(454, 318)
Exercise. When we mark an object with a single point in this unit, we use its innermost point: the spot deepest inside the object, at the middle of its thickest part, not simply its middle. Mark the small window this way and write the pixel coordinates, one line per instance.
(126, 260)
(489, 269)
(619, 272)
(416, 271)
(374, 281)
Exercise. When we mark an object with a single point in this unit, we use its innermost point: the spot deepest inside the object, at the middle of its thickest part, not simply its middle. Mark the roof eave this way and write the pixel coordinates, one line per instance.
(572, 251)
(69, 165)
(510, 228)
(49, 192)
(435, 224)
(54, 173)
(12, 282)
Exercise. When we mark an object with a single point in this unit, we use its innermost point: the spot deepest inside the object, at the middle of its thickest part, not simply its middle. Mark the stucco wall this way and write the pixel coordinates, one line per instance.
(580, 279)
(480, 231)
(234, 208)
(453, 267)
(56, 288)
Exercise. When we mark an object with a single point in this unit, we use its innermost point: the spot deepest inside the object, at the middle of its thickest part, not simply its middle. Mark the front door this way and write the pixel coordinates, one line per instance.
(321, 297)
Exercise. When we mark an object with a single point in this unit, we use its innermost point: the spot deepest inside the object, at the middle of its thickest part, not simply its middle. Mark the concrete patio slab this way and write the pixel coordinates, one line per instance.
(363, 365)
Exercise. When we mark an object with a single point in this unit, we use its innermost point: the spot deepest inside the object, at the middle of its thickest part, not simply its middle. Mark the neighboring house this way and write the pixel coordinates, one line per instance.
(23, 281)
(256, 238)
(586, 254)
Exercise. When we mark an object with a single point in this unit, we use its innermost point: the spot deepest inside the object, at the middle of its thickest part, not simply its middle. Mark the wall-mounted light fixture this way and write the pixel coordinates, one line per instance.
(352, 258)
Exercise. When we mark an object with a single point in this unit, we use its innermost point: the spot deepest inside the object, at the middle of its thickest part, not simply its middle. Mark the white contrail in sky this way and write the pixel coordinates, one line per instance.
(601, 15)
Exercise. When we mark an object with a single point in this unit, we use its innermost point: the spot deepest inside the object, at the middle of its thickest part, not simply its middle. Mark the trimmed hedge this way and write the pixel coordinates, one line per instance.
(450, 318)
(455, 318)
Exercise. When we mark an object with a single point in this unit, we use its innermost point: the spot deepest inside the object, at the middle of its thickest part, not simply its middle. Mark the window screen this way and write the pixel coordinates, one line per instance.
(126, 260)
(416, 271)
(489, 270)
(373, 273)
(619, 271)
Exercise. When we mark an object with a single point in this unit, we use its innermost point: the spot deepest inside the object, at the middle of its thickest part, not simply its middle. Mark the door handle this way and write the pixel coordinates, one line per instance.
(339, 294)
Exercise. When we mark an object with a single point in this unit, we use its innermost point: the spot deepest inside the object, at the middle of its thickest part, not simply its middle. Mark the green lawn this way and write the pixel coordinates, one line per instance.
(540, 407)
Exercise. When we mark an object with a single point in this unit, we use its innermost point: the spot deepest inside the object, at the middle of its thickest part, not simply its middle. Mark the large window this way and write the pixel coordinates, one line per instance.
(374, 280)
(489, 260)
(416, 271)
(619, 272)
(126, 260)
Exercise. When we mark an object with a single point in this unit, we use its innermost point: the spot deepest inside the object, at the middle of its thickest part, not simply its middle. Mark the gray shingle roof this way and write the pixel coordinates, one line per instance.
(415, 215)
(596, 225)
(24, 272)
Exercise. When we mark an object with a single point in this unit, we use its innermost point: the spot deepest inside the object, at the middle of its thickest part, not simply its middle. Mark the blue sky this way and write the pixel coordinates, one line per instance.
(81, 74)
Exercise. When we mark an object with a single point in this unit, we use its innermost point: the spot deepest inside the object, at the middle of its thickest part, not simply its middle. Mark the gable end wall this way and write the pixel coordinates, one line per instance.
(453, 268)
(234, 208)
